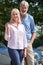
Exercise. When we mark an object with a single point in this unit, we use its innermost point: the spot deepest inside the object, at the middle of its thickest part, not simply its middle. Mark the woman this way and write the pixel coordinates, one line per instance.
(16, 37)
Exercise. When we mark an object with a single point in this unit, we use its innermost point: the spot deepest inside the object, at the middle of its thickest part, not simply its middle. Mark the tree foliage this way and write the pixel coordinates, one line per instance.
(35, 9)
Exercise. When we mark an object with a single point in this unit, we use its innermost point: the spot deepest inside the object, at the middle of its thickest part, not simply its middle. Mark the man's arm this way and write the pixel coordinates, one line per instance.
(33, 37)
(33, 30)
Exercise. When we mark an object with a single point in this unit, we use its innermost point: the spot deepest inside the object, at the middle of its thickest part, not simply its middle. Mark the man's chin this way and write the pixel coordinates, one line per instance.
(23, 13)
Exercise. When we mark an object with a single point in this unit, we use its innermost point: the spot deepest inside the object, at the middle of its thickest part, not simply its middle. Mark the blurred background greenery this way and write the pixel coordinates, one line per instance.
(35, 9)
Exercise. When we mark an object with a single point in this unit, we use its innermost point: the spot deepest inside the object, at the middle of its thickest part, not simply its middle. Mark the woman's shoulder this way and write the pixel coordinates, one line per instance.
(7, 24)
(21, 26)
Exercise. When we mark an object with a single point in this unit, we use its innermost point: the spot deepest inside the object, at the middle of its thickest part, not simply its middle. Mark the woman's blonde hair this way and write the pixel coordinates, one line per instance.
(16, 11)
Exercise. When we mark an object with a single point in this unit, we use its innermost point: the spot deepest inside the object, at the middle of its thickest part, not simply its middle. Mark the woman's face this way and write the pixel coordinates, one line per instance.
(15, 16)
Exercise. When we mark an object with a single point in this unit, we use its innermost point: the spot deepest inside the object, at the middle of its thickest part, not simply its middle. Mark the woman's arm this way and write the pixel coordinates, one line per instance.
(7, 31)
(25, 52)
(25, 43)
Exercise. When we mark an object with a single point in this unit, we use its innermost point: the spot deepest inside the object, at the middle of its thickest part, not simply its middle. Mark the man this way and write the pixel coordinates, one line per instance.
(29, 24)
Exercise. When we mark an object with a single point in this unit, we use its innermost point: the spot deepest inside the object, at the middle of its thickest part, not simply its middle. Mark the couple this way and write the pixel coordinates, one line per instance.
(20, 34)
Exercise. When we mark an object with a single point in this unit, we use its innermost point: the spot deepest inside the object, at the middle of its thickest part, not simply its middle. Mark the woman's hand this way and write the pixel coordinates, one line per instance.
(25, 52)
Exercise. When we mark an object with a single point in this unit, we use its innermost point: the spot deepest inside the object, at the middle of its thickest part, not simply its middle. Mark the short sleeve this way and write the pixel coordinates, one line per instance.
(32, 25)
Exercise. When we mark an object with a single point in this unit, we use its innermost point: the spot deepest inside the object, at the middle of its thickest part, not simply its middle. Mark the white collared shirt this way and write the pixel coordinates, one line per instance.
(17, 37)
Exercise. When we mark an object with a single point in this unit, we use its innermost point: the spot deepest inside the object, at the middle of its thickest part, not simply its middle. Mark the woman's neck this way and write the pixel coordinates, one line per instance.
(15, 23)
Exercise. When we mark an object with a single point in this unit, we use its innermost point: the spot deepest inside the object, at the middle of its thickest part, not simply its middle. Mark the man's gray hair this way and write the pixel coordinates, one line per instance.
(24, 2)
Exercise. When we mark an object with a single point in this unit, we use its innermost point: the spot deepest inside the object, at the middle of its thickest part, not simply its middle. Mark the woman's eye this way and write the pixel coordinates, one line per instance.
(16, 14)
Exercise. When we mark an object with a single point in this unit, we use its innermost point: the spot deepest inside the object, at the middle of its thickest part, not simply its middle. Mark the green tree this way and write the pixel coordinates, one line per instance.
(35, 9)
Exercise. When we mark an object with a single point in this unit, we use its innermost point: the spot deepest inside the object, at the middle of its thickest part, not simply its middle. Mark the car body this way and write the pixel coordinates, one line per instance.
(4, 56)
(5, 59)
(38, 56)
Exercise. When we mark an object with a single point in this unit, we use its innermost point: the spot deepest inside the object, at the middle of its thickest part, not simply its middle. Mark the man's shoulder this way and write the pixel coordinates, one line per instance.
(30, 16)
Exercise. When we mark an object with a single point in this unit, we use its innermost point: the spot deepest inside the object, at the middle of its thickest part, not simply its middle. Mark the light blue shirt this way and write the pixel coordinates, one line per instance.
(29, 24)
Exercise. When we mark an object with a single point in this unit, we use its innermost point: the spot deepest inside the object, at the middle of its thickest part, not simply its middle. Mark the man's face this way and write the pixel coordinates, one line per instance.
(23, 9)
